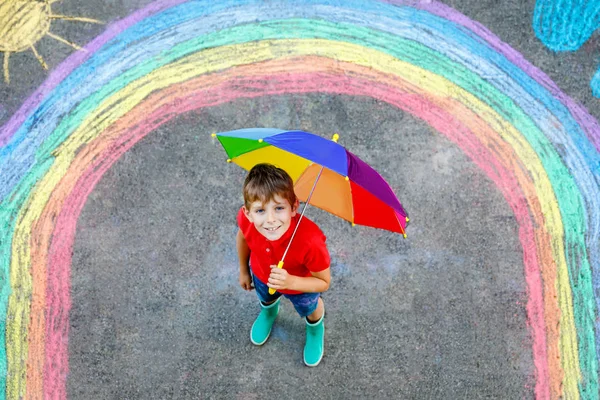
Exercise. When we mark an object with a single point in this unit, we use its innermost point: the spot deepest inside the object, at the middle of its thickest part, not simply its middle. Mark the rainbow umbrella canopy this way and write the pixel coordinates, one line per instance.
(323, 171)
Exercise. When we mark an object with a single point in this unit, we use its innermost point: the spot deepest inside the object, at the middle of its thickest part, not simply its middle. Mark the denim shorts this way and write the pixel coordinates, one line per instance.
(304, 303)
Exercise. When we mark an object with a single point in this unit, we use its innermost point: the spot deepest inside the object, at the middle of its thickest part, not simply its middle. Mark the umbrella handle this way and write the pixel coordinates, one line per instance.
(279, 265)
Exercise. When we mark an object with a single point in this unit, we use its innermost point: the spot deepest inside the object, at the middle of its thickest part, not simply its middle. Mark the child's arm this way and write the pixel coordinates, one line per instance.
(317, 283)
(244, 256)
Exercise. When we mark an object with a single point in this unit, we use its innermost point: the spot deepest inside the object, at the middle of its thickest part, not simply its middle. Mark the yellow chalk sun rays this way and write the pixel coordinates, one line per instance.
(23, 23)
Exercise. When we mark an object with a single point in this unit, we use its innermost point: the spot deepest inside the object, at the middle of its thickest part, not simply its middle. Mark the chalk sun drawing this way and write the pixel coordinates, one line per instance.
(538, 146)
(23, 23)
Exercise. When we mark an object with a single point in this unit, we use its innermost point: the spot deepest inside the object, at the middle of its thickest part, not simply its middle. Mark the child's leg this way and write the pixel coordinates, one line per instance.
(307, 305)
(269, 308)
(318, 313)
(311, 307)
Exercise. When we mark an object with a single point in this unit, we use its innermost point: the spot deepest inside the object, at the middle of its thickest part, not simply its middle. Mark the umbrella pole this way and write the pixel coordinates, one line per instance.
(280, 264)
(302, 214)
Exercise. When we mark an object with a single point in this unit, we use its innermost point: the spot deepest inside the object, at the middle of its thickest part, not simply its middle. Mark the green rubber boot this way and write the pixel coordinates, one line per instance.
(315, 342)
(261, 329)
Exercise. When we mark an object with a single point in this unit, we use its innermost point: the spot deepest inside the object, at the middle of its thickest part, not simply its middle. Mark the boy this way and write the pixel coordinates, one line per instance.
(267, 221)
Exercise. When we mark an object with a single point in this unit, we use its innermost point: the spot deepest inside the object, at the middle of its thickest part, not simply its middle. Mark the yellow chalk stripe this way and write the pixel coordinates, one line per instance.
(19, 301)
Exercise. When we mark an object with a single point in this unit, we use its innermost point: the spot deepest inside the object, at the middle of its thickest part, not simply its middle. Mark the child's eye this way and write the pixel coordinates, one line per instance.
(280, 208)
(260, 211)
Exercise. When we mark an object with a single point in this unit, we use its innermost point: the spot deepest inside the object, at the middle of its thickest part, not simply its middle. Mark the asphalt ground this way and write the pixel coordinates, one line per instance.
(157, 311)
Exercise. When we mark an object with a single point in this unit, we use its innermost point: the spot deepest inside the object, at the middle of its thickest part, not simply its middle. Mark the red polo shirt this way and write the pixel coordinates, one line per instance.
(308, 252)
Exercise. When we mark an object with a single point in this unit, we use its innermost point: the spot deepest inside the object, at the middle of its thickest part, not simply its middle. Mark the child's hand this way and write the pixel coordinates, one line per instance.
(246, 281)
(280, 279)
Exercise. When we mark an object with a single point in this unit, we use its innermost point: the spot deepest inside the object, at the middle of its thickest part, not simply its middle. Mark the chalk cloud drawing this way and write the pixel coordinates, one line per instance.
(23, 23)
(565, 25)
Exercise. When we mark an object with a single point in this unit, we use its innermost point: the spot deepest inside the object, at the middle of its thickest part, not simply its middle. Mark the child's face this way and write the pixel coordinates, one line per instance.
(272, 219)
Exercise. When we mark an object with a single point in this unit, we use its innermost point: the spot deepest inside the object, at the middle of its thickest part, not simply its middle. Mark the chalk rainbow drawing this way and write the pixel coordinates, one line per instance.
(539, 147)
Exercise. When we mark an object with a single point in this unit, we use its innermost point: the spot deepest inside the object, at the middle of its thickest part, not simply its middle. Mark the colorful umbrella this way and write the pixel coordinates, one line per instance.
(325, 175)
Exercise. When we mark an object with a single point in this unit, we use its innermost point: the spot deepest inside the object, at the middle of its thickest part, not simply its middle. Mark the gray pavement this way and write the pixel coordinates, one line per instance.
(157, 312)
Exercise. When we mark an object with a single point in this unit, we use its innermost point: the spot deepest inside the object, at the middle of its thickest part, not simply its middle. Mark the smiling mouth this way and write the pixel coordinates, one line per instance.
(271, 229)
